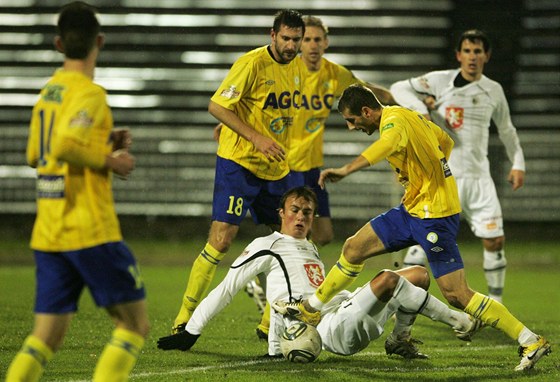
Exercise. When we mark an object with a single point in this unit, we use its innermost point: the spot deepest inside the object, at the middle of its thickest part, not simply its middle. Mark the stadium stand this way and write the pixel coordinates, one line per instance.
(163, 60)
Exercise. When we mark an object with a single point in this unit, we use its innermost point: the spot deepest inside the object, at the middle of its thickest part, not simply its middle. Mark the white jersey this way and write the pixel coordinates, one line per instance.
(292, 268)
(466, 112)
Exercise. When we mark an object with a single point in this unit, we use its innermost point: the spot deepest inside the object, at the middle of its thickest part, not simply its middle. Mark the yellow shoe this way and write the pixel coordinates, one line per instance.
(531, 353)
(299, 311)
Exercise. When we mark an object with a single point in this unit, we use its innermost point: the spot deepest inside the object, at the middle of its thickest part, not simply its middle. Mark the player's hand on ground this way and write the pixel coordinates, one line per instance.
(179, 341)
(121, 162)
(270, 148)
(516, 178)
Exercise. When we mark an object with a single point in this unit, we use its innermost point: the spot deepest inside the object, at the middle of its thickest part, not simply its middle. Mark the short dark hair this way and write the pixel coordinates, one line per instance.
(78, 28)
(355, 97)
(474, 35)
(290, 18)
(300, 192)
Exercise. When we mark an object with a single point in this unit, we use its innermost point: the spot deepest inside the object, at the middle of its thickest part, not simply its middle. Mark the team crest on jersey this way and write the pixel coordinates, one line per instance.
(230, 92)
(454, 116)
(53, 93)
(81, 119)
(314, 274)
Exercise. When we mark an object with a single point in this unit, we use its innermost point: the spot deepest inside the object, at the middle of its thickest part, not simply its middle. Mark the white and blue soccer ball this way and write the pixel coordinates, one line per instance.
(301, 343)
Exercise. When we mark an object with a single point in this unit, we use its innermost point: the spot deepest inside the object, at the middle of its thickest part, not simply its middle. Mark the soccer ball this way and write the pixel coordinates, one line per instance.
(301, 343)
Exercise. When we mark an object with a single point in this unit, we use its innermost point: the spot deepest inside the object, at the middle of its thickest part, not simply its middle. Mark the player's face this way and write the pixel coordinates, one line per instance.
(286, 43)
(297, 217)
(472, 58)
(313, 46)
(362, 122)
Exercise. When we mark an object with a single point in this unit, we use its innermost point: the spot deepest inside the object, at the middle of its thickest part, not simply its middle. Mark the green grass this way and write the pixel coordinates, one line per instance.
(229, 349)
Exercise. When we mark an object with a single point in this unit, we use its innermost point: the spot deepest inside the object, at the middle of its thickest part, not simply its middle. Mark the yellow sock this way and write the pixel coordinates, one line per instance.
(494, 314)
(202, 274)
(118, 357)
(265, 319)
(339, 278)
(29, 363)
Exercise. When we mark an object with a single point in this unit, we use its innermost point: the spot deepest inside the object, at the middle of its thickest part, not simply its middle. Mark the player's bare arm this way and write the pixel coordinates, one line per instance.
(336, 174)
(270, 148)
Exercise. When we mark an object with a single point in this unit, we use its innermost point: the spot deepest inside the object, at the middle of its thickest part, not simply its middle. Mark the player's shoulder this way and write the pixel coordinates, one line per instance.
(76, 84)
(490, 85)
(255, 55)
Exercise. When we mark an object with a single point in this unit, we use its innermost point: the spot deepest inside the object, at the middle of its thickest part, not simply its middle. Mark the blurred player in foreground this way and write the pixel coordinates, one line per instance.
(465, 102)
(76, 239)
(256, 103)
(417, 150)
(294, 270)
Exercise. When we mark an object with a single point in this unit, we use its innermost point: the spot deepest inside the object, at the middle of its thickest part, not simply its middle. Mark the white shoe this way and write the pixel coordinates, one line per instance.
(530, 354)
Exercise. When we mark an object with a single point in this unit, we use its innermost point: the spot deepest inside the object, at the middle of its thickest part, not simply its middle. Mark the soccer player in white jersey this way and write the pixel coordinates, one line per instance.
(294, 270)
(465, 102)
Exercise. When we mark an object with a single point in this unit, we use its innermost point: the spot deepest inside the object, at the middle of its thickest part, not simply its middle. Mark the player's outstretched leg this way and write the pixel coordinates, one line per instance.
(202, 274)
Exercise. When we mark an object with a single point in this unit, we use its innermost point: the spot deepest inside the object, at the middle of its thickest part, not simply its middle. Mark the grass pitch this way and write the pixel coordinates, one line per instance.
(229, 350)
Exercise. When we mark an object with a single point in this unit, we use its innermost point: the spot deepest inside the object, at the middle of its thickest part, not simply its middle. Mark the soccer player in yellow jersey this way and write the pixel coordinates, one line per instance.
(256, 104)
(417, 150)
(76, 238)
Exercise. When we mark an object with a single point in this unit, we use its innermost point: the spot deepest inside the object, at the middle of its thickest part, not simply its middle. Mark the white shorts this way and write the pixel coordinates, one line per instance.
(356, 322)
(481, 207)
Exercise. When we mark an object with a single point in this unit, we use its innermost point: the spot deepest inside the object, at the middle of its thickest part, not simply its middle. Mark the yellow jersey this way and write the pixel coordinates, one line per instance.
(321, 89)
(418, 150)
(265, 95)
(75, 208)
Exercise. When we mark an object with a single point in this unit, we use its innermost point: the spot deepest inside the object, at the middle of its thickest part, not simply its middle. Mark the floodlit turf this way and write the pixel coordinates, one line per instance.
(229, 349)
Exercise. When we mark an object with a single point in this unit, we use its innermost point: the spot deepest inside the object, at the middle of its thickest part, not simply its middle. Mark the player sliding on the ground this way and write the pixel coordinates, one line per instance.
(294, 271)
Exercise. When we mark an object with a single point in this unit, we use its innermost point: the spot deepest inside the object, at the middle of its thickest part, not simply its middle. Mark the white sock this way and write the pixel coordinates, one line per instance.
(526, 337)
(415, 256)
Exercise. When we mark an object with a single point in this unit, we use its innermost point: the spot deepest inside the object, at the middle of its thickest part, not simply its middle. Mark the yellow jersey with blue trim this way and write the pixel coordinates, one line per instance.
(418, 151)
(320, 91)
(75, 207)
(266, 95)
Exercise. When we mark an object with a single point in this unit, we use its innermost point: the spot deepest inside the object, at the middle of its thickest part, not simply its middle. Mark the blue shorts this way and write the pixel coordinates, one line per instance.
(108, 270)
(397, 229)
(311, 178)
(237, 190)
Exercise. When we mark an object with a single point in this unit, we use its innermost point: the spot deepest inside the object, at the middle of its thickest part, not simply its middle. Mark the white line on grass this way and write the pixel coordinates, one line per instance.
(235, 365)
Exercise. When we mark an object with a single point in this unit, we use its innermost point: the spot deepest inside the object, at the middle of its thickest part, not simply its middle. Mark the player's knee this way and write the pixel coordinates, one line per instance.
(384, 284)
(352, 251)
(421, 277)
(494, 244)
